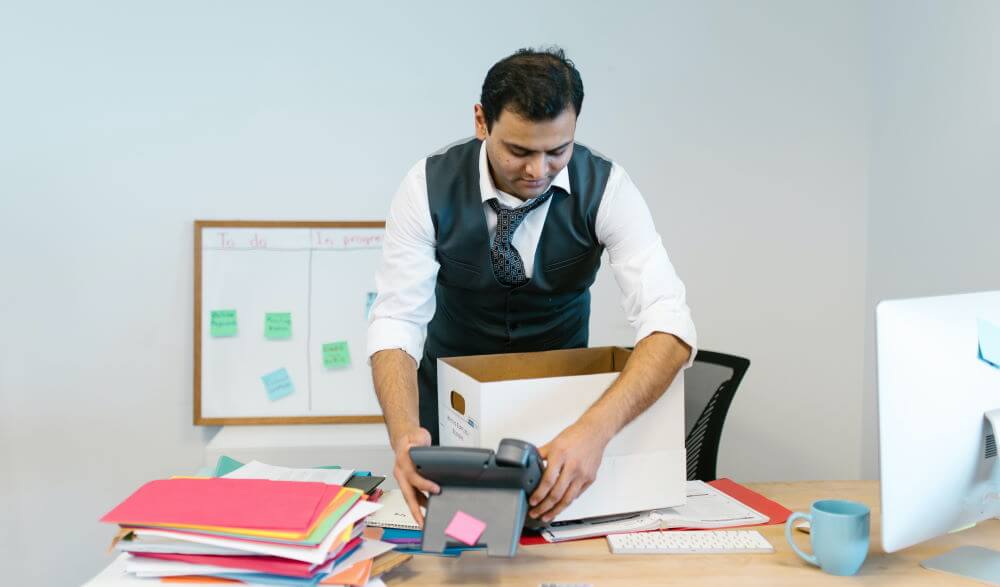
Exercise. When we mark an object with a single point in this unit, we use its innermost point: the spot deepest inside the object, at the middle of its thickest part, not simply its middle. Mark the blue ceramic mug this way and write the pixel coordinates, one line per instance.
(838, 531)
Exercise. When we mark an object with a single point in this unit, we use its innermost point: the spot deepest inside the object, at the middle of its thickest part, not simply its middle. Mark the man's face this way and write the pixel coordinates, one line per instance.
(525, 156)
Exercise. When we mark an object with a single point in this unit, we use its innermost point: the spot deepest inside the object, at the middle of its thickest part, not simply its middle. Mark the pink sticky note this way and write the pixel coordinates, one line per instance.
(465, 528)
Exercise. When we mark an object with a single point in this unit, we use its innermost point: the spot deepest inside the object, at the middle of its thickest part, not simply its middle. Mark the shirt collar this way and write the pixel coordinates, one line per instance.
(488, 190)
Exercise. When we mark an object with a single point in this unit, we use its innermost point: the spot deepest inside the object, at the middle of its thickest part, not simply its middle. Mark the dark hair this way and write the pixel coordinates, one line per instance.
(536, 84)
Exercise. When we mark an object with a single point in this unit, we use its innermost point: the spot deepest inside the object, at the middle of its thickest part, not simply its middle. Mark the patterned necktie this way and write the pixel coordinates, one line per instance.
(507, 264)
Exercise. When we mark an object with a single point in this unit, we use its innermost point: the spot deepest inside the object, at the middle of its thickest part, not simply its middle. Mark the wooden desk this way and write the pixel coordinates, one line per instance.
(589, 561)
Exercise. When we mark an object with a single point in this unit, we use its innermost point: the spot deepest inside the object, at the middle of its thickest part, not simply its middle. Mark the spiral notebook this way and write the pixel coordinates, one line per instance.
(394, 513)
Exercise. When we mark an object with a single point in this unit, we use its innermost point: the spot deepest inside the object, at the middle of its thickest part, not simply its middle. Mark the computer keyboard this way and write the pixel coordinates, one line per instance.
(690, 542)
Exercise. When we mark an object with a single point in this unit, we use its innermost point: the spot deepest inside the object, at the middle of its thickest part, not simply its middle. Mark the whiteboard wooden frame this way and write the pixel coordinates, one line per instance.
(278, 420)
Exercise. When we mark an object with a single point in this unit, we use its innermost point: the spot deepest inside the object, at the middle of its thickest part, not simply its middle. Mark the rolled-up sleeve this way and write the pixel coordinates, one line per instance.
(405, 301)
(653, 296)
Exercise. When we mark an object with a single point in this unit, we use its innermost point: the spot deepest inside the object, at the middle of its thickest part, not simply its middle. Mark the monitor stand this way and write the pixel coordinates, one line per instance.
(973, 562)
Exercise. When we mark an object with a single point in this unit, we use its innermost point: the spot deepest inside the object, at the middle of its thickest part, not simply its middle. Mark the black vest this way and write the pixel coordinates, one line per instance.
(476, 315)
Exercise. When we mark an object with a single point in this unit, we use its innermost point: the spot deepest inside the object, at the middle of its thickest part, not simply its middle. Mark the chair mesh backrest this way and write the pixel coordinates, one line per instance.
(709, 386)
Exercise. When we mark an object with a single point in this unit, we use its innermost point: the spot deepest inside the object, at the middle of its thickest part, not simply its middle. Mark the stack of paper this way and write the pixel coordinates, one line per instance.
(706, 508)
(247, 529)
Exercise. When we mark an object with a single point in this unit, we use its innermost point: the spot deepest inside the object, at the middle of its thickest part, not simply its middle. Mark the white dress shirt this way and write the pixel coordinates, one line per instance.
(653, 297)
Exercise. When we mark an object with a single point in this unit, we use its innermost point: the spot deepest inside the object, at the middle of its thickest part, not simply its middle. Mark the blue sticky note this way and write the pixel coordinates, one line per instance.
(989, 342)
(369, 302)
(278, 384)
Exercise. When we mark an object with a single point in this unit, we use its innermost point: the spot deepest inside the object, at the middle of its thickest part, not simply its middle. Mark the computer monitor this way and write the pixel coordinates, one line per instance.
(937, 447)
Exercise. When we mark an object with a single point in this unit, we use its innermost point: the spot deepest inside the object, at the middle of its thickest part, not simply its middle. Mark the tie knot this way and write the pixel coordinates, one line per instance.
(521, 210)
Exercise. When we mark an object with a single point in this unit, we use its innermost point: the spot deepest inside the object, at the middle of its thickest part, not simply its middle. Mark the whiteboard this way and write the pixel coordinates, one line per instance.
(270, 297)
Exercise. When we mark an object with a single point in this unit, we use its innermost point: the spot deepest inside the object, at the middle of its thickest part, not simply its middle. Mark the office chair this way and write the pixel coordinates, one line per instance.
(709, 386)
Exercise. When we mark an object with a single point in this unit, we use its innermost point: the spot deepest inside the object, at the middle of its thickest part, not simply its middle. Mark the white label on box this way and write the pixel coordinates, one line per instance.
(463, 429)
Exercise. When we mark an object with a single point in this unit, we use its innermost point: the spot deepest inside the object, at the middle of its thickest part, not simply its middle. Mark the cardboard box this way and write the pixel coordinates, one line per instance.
(534, 396)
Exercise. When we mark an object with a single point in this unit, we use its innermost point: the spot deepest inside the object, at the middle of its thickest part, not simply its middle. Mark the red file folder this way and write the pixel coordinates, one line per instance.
(753, 500)
(776, 512)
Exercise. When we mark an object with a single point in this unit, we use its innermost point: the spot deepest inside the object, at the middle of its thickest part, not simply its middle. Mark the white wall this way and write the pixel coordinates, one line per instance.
(935, 183)
(753, 157)
(745, 124)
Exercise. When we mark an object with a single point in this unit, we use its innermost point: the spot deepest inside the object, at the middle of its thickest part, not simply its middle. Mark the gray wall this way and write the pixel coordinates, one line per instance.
(748, 126)
(934, 210)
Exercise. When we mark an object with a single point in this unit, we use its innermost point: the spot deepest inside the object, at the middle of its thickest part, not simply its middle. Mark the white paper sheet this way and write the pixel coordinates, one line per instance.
(259, 470)
(706, 508)
(159, 544)
(116, 576)
(163, 568)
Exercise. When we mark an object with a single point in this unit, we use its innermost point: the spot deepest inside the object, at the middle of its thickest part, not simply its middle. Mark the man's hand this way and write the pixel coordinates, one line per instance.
(410, 482)
(575, 455)
(573, 459)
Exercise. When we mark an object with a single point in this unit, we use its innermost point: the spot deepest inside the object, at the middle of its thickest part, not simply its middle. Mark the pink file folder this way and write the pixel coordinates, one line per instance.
(234, 503)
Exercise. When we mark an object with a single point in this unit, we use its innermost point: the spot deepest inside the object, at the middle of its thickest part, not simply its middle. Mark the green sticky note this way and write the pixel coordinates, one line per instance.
(225, 466)
(278, 325)
(223, 323)
(336, 355)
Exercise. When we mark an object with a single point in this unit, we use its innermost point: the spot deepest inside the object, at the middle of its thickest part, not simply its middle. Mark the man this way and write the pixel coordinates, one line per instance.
(468, 269)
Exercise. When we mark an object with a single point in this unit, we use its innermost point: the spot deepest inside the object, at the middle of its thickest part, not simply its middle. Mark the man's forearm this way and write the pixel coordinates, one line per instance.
(654, 363)
(395, 375)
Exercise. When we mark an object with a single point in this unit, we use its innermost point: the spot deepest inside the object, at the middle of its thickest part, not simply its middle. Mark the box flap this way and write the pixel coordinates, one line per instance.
(560, 363)
(619, 356)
